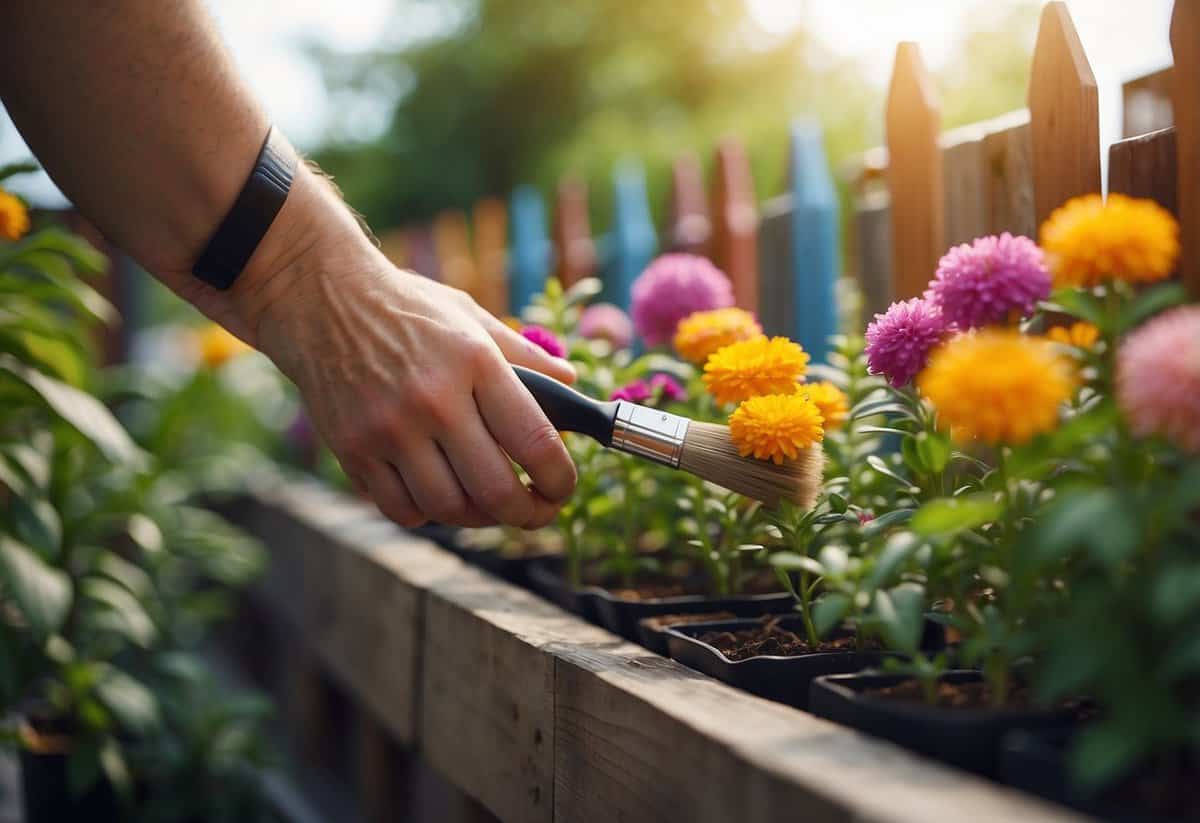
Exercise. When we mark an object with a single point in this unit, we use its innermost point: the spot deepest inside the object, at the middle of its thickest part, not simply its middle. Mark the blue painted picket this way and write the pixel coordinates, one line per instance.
(816, 258)
(633, 241)
(531, 252)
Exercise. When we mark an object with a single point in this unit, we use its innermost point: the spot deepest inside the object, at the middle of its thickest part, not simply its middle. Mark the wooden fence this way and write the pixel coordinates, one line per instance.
(925, 190)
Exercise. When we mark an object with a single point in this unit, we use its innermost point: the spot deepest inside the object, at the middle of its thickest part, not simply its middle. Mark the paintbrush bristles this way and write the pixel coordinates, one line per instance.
(708, 452)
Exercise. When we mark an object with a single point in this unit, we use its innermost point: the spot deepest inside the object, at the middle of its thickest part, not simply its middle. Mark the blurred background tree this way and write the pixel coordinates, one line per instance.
(515, 91)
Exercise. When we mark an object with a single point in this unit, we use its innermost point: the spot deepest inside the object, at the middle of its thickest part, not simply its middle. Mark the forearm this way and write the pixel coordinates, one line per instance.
(137, 112)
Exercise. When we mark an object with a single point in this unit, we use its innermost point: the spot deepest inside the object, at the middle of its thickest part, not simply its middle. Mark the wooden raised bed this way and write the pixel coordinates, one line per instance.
(541, 716)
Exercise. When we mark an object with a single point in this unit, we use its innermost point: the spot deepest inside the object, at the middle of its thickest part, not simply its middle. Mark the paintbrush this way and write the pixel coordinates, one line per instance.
(702, 449)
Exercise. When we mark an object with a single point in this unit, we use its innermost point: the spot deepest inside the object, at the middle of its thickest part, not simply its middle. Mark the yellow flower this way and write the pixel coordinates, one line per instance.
(217, 346)
(704, 332)
(997, 385)
(775, 426)
(1089, 240)
(14, 217)
(752, 367)
(830, 400)
(1080, 335)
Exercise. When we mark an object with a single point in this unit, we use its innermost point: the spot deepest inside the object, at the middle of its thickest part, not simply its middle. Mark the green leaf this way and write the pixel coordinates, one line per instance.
(870, 408)
(896, 551)
(19, 167)
(830, 611)
(835, 560)
(1151, 302)
(37, 524)
(948, 516)
(1105, 751)
(83, 766)
(791, 561)
(1176, 594)
(901, 613)
(1077, 303)
(120, 610)
(584, 290)
(87, 414)
(1098, 522)
(42, 592)
(838, 503)
(132, 704)
(935, 451)
(886, 521)
(876, 463)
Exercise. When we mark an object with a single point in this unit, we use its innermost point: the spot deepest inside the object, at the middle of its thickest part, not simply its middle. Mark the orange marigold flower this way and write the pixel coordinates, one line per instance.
(830, 400)
(1088, 240)
(998, 385)
(704, 332)
(776, 426)
(752, 367)
(14, 217)
(1080, 335)
(217, 347)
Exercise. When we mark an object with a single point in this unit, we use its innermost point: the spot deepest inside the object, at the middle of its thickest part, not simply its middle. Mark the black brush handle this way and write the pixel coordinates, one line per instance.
(569, 410)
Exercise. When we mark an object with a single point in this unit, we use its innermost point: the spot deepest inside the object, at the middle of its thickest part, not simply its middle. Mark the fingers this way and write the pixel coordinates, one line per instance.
(389, 492)
(519, 426)
(435, 487)
(516, 349)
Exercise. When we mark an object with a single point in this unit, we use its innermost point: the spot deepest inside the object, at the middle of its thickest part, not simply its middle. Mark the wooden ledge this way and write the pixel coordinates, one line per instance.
(542, 716)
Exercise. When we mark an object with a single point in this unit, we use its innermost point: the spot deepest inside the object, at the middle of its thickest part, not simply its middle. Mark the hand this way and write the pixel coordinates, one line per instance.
(408, 382)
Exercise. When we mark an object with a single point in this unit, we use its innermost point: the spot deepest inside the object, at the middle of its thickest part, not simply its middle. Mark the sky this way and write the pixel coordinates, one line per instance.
(1122, 38)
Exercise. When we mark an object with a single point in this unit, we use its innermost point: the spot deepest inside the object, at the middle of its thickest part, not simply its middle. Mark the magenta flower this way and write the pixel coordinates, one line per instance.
(636, 392)
(899, 341)
(671, 288)
(667, 387)
(541, 336)
(604, 321)
(1158, 378)
(989, 281)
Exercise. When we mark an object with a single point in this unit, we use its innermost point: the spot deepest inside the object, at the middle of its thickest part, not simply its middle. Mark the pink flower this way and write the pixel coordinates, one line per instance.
(989, 281)
(636, 392)
(899, 341)
(1158, 378)
(604, 321)
(667, 388)
(865, 516)
(673, 287)
(545, 338)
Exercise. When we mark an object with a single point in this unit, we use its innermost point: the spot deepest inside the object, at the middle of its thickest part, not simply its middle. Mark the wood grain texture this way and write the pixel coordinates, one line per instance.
(873, 242)
(735, 224)
(1185, 43)
(964, 170)
(689, 228)
(776, 285)
(1146, 103)
(1145, 167)
(1008, 175)
(490, 222)
(915, 175)
(1064, 115)
(574, 248)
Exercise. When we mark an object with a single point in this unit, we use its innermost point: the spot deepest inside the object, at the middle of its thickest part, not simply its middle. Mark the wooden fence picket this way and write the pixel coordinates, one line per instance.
(688, 228)
(872, 235)
(530, 252)
(573, 245)
(1185, 43)
(815, 241)
(915, 177)
(965, 173)
(777, 276)
(1064, 114)
(451, 244)
(735, 223)
(1145, 167)
(633, 237)
(1008, 181)
(1146, 103)
(490, 221)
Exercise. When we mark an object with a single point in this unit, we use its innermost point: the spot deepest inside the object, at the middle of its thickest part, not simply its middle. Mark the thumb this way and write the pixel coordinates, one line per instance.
(521, 352)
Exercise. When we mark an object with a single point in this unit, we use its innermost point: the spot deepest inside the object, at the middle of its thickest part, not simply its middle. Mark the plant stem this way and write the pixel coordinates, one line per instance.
(810, 628)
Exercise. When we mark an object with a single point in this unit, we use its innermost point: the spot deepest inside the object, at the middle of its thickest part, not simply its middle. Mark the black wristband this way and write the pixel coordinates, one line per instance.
(252, 214)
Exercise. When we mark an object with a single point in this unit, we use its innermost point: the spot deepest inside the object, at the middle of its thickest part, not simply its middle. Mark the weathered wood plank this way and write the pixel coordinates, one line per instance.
(735, 223)
(1064, 114)
(641, 738)
(1146, 103)
(490, 221)
(1145, 167)
(573, 244)
(1185, 44)
(965, 172)
(915, 176)
(873, 240)
(689, 229)
(1008, 155)
(776, 284)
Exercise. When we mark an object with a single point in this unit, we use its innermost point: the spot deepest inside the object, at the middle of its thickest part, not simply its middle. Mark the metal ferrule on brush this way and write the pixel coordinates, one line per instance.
(650, 433)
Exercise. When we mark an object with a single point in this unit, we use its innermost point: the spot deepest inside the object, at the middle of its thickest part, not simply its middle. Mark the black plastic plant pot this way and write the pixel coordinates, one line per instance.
(445, 536)
(47, 798)
(965, 737)
(546, 578)
(623, 616)
(782, 679)
(506, 567)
